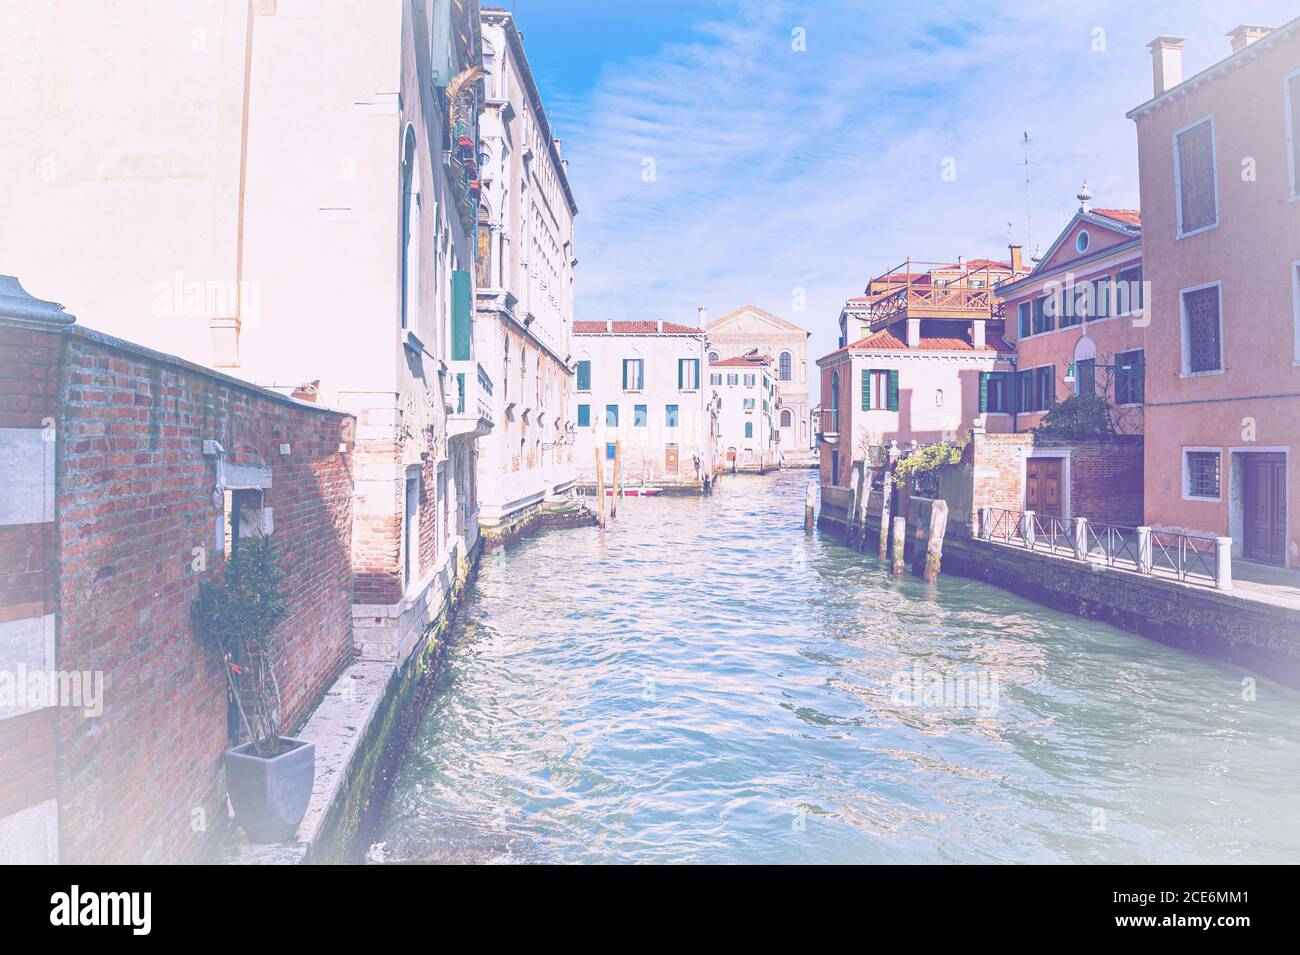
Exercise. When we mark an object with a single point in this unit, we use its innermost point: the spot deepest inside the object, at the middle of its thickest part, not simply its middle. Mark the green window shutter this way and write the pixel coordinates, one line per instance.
(681, 369)
(1051, 385)
(461, 315)
(584, 376)
(984, 391)
(893, 389)
(866, 389)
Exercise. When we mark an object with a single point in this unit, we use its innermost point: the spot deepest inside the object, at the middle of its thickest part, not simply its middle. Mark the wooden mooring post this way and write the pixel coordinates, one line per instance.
(855, 507)
(934, 546)
(613, 498)
(886, 491)
(600, 484)
(809, 500)
(900, 545)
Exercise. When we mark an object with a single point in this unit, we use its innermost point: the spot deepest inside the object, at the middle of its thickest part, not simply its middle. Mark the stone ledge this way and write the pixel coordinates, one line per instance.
(338, 727)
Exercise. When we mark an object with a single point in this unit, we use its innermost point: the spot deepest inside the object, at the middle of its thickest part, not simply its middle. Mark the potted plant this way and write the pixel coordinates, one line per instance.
(269, 776)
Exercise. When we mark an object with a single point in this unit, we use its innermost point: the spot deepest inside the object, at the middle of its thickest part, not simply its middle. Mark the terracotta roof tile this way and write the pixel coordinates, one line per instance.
(1129, 216)
(746, 361)
(634, 328)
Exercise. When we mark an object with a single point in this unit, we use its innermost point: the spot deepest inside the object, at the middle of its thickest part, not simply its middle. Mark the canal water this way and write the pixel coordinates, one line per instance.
(703, 682)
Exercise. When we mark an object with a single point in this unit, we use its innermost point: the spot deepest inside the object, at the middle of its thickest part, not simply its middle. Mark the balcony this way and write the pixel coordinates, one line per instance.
(472, 397)
(903, 293)
(828, 425)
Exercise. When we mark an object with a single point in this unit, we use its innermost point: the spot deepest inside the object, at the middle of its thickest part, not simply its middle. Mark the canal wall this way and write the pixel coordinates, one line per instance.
(360, 730)
(1262, 637)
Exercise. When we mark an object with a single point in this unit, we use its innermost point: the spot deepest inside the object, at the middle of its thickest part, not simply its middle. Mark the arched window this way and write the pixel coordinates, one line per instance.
(786, 365)
(835, 391)
(938, 397)
(410, 233)
(787, 419)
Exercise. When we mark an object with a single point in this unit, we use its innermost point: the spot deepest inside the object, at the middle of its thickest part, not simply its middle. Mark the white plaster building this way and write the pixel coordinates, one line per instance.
(746, 400)
(263, 186)
(525, 289)
(751, 329)
(641, 384)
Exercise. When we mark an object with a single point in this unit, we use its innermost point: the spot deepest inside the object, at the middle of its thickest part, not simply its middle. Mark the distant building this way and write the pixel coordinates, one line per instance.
(640, 384)
(932, 340)
(1077, 323)
(751, 329)
(524, 289)
(745, 398)
(1219, 158)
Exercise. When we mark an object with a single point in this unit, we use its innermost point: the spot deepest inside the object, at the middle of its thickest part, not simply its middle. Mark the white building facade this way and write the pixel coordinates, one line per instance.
(639, 385)
(746, 399)
(265, 199)
(752, 330)
(524, 300)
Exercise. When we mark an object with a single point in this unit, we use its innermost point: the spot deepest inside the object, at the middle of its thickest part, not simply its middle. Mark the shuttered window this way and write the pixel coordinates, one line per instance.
(995, 392)
(1198, 201)
(584, 376)
(1130, 374)
(880, 389)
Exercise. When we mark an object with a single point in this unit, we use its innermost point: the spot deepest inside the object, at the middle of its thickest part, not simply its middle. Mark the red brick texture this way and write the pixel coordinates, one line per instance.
(28, 366)
(143, 782)
(1105, 476)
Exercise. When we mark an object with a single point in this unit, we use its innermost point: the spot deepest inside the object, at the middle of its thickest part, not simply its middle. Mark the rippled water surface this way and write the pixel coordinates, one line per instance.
(703, 682)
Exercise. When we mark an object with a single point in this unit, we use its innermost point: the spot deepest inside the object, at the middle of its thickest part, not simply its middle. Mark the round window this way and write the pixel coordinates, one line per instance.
(1081, 241)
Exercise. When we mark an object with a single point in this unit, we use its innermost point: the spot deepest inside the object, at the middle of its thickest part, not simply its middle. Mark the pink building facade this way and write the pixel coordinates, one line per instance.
(1219, 159)
(932, 344)
(1077, 323)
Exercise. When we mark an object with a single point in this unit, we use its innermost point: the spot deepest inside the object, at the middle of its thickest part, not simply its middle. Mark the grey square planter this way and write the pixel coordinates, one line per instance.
(270, 796)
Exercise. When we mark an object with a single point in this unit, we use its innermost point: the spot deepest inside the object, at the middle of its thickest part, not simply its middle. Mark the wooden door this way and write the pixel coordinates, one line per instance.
(1043, 486)
(670, 459)
(1264, 507)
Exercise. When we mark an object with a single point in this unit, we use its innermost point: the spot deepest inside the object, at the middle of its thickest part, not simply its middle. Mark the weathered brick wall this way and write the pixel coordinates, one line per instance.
(135, 501)
(1105, 476)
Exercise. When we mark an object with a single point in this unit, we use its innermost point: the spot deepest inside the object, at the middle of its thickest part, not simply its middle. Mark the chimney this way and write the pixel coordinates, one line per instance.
(961, 261)
(704, 315)
(1166, 62)
(558, 144)
(659, 326)
(1244, 35)
(609, 327)
(1016, 264)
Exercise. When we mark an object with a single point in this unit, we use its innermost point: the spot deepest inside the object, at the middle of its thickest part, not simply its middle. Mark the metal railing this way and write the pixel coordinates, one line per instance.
(829, 421)
(1190, 558)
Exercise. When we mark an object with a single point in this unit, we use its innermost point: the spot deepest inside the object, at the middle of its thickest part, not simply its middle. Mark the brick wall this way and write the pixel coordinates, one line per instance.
(143, 782)
(1105, 476)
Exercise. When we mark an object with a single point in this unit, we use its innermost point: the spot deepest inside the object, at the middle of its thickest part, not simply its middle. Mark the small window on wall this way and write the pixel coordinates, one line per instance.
(584, 416)
(244, 517)
(1202, 342)
(609, 451)
(1202, 479)
(749, 429)
(611, 416)
(1082, 241)
(584, 375)
(633, 374)
(1023, 316)
(995, 392)
(670, 416)
(688, 374)
(639, 416)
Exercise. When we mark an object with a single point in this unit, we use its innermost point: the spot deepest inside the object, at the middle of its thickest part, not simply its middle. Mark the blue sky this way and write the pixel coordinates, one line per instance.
(779, 170)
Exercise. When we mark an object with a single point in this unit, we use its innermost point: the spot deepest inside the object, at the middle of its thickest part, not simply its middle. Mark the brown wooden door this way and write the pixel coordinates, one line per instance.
(1264, 481)
(670, 459)
(1043, 486)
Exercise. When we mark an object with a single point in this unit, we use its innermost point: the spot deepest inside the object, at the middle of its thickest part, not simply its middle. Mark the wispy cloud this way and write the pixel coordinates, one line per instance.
(777, 169)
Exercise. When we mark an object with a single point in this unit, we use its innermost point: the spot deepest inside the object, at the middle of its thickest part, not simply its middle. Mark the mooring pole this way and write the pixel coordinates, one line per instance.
(809, 499)
(934, 547)
(900, 544)
(600, 483)
(887, 491)
(618, 489)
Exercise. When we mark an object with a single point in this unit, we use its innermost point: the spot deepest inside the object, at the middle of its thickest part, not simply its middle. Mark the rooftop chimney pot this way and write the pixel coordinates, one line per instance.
(1016, 261)
(1244, 35)
(1166, 62)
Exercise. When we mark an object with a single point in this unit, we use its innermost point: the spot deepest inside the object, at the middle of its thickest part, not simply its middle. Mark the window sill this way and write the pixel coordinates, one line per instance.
(1205, 228)
(1201, 374)
(1203, 500)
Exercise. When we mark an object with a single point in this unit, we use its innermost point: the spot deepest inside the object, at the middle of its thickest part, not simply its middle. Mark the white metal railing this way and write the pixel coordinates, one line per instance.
(1191, 558)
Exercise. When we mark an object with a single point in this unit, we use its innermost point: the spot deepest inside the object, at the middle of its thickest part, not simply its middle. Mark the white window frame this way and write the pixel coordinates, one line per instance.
(1295, 309)
(1185, 349)
(1082, 241)
(1293, 174)
(1186, 475)
(1178, 178)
